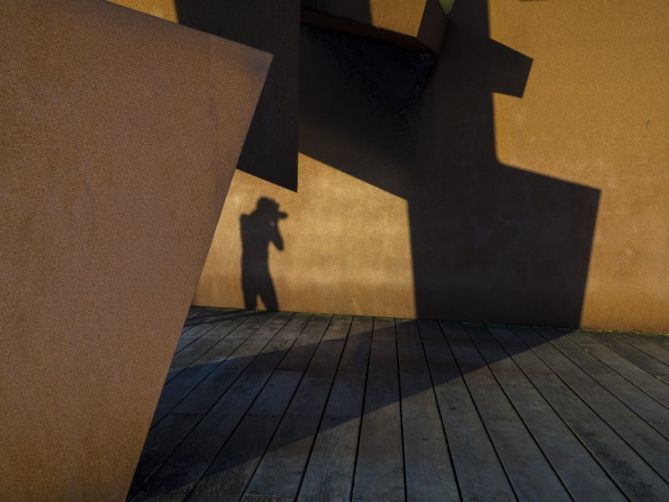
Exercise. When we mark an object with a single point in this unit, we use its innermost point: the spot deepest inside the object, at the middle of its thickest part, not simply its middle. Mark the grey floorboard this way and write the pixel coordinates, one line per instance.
(166, 435)
(190, 334)
(429, 471)
(177, 476)
(654, 345)
(478, 470)
(379, 473)
(580, 472)
(529, 472)
(274, 407)
(656, 415)
(279, 474)
(638, 357)
(641, 378)
(331, 465)
(623, 464)
(233, 466)
(184, 358)
(181, 385)
(638, 434)
(210, 389)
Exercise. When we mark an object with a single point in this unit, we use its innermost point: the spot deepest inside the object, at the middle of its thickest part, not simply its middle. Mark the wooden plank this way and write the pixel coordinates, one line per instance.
(642, 379)
(205, 395)
(638, 434)
(331, 466)
(160, 443)
(214, 316)
(656, 415)
(429, 471)
(226, 478)
(580, 472)
(180, 386)
(198, 314)
(193, 329)
(653, 345)
(626, 467)
(177, 475)
(280, 471)
(634, 355)
(529, 472)
(284, 433)
(218, 316)
(190, 334)
(660, 339)
(231, 470)
(478, 470)
(199, 347)
(166, 435)
(379, 473)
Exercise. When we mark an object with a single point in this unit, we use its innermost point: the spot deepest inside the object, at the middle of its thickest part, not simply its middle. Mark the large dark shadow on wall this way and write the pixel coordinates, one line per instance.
(270, 150)
(490, 242)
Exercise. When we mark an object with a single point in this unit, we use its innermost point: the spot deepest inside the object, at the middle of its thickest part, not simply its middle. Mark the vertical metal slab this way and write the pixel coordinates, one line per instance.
(119, 137)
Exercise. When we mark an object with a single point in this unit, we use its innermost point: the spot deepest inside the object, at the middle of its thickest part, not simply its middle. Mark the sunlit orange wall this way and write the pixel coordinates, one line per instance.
(347, 246)
(111, 187)
(164, 9)
(596, 112)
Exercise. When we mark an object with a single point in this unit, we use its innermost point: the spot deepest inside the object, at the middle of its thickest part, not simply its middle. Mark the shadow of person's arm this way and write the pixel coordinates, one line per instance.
(275, 235)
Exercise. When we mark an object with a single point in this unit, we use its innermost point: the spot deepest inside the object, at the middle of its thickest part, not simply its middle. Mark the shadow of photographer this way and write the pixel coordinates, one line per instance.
(259, 229)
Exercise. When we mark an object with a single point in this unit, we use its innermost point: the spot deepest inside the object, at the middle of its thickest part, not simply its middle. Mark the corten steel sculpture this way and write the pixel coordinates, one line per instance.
(120, 134)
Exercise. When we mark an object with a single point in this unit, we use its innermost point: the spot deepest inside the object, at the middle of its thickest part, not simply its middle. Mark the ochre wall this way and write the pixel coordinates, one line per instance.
(596, 112)
(551, 195)
(119, 135)
(164, 9)
(529, 161)
(327, 239)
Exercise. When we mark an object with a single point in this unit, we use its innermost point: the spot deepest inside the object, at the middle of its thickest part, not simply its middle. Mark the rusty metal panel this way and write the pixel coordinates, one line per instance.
(120, 133)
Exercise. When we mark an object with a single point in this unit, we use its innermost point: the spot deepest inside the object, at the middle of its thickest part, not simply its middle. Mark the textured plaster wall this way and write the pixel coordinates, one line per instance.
(119, 136)
(596, 112)
(589, 122)
(531, 157)
(328, 238)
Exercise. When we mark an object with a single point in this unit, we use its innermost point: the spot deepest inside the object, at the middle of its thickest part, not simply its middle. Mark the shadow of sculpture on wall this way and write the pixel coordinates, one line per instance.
(269, 152)
(259, 229)
(490, 242)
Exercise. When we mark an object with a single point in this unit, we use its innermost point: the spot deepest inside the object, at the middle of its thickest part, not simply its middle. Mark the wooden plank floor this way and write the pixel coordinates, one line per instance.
(281, 406)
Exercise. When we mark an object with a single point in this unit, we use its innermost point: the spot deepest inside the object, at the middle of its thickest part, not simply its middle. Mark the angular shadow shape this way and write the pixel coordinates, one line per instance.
(489, 242)
(270, 150)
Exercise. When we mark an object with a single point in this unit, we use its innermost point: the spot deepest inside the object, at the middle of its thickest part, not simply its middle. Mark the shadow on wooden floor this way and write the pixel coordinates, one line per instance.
(316, 407)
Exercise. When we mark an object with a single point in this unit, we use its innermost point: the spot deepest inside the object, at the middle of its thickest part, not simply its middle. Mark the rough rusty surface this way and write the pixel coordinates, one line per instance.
(270, 150)
(120, 134)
